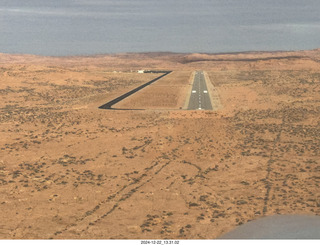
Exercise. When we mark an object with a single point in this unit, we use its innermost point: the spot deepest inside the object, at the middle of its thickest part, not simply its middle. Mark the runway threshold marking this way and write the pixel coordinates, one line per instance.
(199, 98)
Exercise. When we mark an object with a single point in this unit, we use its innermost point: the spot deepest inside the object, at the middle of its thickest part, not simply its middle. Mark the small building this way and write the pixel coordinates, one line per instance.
(140, 71)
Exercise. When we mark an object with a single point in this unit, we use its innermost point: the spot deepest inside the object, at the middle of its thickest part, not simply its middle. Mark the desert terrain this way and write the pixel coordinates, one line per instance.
(69, 170)
(170, 93)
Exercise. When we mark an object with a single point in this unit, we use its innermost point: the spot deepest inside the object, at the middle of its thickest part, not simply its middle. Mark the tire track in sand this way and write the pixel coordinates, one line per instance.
(109, 205)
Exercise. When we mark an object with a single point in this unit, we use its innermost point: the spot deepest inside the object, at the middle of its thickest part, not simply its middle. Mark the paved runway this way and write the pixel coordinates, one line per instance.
(108, 106)
(199, 98)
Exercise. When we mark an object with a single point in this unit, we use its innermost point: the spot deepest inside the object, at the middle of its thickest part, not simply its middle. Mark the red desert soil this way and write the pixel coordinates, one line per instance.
(71, 170)
(169, 92)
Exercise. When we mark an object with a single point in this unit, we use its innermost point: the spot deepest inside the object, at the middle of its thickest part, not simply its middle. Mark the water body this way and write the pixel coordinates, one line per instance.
(73, 27)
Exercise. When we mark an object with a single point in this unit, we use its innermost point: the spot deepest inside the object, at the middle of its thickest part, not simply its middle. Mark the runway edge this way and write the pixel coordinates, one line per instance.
(213, 93)
(191, 81)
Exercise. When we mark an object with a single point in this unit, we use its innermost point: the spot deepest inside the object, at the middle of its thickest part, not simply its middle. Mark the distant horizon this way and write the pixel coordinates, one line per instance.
(163, 52)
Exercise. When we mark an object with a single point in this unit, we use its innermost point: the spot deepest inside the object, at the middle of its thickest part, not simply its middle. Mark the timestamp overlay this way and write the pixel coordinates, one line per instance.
(160, 242)
(166, 241)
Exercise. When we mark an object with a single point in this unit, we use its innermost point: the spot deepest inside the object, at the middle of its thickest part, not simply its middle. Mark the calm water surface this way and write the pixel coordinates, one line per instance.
(70, 27)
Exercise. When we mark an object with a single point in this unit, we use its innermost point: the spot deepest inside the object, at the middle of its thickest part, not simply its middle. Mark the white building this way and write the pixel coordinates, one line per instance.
(140, 71)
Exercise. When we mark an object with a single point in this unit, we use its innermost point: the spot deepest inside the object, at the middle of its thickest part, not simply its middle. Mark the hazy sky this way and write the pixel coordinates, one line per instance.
(71, 27)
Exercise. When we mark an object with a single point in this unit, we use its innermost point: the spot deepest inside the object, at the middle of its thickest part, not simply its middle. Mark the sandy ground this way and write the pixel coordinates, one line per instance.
(169, 92)
(71, 170)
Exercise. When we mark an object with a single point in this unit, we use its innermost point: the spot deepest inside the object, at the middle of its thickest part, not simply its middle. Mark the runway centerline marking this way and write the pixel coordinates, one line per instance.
(199, 90)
